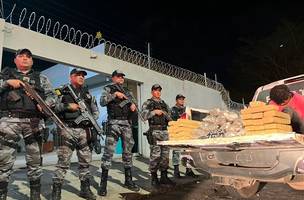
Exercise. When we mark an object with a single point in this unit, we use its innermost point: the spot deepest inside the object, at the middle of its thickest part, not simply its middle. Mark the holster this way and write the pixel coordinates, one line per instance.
(89, 138)
(93, 140)
(151, 139)
(105, 127)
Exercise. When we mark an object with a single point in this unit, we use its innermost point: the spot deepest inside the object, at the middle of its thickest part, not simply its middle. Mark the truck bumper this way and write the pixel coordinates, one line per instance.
(262, 164)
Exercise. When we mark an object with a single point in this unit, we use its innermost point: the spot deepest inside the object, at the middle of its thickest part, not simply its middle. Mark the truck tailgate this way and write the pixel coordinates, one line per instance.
(273, 140)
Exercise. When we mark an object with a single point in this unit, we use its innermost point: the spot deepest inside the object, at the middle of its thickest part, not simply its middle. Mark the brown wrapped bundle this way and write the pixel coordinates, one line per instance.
(258, 109)
(260, 118)
(182, 129)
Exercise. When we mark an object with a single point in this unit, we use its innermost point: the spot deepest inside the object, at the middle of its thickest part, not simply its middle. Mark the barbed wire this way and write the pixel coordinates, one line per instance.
(138, 58)
(47, 26)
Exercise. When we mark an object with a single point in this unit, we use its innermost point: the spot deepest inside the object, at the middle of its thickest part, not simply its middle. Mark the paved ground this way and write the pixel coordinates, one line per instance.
(206, 190)
(187, 188)
(19, 189)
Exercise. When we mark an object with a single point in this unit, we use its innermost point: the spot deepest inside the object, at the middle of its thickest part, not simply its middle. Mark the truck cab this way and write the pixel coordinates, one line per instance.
(295, 84)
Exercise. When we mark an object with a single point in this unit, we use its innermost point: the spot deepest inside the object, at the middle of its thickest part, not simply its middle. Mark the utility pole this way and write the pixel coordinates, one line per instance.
(149, 56)
(205, 78)
(215, 78)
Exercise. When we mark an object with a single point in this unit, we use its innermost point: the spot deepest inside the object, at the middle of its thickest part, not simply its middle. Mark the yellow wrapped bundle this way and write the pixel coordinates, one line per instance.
(260, 118)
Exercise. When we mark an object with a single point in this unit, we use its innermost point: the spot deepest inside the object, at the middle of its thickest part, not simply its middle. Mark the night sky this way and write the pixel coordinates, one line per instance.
(202, 36)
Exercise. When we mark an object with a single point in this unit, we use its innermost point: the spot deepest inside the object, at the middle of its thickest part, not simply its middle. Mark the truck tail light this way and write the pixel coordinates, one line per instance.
(300, 167)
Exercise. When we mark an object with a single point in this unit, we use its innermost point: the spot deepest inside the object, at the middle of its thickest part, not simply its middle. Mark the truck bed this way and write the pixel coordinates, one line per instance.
(273, 140)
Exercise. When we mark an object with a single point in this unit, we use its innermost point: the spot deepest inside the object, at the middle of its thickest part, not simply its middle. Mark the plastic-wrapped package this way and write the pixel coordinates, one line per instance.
(217, 124)
(210, 118)
(220, 120)
(226, 126)
(220, 124)
(208, 126)
(231, 116)
(215, 112)
(200, 133)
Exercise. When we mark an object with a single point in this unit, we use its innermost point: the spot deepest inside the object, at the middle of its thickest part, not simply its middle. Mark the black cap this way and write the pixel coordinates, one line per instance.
(156, 86)
(77, 71)
(180, 96)
(23, 51)
(118, 72)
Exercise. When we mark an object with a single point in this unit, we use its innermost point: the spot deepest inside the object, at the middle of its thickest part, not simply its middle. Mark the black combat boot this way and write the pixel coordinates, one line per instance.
(154, 180)
(190, 173)
(103, 182)
(3, 190)
(85, 190)
(176, 172)
(128, 180)
(56, 193)
(35, 189)
(165, 180)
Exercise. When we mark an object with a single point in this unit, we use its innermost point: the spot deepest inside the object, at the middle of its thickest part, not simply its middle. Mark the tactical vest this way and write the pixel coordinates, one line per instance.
(158, 119)
(67, 98)
(177, 112)
(16, 100)
(115, 111)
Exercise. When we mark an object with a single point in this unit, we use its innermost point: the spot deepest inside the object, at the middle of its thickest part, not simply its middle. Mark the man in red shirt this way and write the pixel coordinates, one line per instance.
(291, 103)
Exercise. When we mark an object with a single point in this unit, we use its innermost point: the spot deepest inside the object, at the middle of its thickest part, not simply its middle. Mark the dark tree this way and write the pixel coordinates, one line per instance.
(277, 56)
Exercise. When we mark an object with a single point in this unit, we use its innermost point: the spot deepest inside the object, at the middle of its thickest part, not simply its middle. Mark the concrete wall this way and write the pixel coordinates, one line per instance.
(48, 48)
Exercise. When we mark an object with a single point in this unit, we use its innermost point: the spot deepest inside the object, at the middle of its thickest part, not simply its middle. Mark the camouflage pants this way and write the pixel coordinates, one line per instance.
(176, 157)
(65, 152)
(11, 131)
(116, 129)
(159, 155)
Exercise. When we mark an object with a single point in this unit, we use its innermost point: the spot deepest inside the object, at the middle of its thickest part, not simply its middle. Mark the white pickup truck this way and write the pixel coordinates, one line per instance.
(244, 164)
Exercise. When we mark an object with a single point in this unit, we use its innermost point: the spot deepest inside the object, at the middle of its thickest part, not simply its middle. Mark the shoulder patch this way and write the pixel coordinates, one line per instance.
(58, 92)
